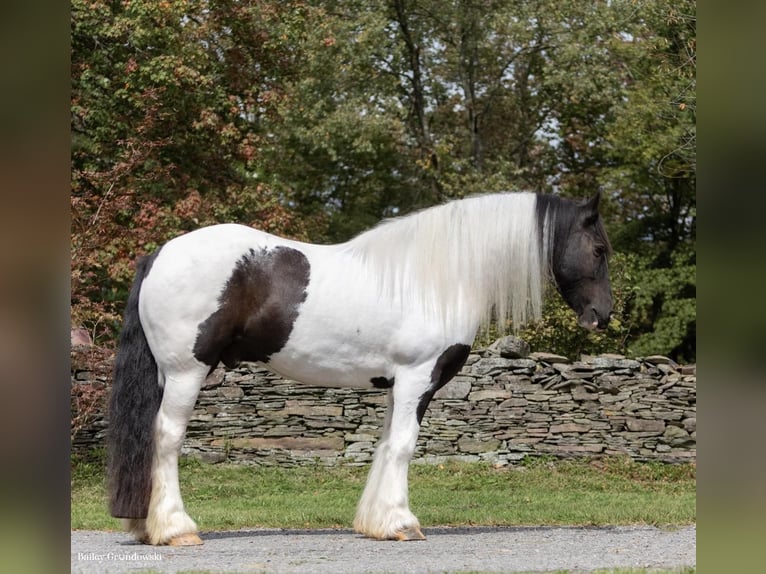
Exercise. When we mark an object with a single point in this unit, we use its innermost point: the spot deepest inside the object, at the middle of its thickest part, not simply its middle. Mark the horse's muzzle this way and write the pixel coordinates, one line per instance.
(593, 320)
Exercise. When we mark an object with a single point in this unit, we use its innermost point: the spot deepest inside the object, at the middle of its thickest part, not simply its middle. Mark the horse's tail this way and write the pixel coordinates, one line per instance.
(134, 403)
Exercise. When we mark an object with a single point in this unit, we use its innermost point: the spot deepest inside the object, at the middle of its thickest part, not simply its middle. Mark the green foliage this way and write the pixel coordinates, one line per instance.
(317, 119)
(664, 310)
(169, 102)
(654, 313)
(651, 148)
(558, 332)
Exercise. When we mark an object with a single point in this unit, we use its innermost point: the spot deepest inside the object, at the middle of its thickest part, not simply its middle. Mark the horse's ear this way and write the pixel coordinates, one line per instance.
(590, 209)
(592, 204)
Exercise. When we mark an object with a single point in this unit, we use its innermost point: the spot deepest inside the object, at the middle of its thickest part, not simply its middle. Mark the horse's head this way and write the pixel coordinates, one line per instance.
(580, 266)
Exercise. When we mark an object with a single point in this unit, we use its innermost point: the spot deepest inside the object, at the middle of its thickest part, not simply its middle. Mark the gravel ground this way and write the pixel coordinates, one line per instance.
(517, 549)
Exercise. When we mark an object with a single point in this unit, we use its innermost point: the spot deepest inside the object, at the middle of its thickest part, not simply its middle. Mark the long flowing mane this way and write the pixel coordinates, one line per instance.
(465, 260)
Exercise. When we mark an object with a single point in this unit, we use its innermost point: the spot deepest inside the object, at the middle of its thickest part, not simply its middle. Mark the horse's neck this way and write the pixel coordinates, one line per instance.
(465, 258)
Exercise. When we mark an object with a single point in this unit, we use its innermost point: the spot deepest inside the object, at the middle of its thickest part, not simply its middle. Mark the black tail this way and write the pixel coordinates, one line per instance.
(134, 403)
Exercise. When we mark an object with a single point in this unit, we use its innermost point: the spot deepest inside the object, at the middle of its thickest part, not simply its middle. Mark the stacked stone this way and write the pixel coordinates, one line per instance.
(253, 416)
(504, 405)
(503, 409)
(92, 435)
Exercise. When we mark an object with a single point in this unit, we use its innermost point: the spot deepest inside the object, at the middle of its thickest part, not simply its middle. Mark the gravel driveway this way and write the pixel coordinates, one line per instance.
(514, 549)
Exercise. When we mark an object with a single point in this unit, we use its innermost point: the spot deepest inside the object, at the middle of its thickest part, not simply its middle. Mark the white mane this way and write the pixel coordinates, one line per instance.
(463, 261)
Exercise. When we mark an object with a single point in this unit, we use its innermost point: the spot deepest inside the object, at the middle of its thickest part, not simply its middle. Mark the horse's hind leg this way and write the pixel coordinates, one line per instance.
(167, 522)
(383, 510)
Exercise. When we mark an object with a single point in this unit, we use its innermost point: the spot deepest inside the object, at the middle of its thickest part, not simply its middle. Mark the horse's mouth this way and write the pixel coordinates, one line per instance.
(588, 324)
(592, 321)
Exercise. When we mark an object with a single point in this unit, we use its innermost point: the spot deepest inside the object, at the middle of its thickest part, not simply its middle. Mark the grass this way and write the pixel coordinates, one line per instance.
(543, 492)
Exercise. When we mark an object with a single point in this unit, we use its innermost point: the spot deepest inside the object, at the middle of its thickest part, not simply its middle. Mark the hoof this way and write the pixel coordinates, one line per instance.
(190, 539)
(413, 533)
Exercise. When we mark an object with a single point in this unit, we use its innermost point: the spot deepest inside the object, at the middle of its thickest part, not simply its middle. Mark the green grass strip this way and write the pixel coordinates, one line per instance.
(541, 492)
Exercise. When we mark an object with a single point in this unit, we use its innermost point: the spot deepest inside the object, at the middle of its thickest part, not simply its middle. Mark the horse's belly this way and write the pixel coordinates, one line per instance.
(323, 375)
(334, 360)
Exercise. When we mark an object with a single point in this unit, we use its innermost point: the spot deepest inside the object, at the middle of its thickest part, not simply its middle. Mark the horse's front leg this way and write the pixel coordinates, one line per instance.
(383, 510)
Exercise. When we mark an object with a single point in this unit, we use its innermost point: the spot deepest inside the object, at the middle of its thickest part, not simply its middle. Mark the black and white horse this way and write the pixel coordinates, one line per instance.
(395, 308)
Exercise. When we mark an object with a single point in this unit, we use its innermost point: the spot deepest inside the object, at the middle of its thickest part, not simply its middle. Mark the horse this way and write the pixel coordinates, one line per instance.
(395, 308)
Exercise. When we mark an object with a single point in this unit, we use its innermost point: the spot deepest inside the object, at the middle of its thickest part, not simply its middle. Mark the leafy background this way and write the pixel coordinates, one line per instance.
(315, 119)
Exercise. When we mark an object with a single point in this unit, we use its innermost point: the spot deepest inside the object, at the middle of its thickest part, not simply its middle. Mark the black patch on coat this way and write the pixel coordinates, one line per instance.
(447, 366)
(382, 382)
(133, 405)
(257, 308)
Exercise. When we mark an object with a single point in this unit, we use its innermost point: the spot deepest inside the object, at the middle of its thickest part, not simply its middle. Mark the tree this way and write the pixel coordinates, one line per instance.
(169, 103)
(651, 149)
(317, 119)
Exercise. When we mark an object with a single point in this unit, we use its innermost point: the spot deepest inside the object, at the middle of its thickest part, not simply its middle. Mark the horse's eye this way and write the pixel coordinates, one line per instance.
(598, 251)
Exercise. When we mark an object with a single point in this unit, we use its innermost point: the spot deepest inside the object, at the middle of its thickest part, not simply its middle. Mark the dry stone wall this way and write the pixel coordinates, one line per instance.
(498, 408)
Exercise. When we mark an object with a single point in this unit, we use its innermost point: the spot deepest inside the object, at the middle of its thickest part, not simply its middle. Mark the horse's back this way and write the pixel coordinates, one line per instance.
(192, 268)
(225, 239)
